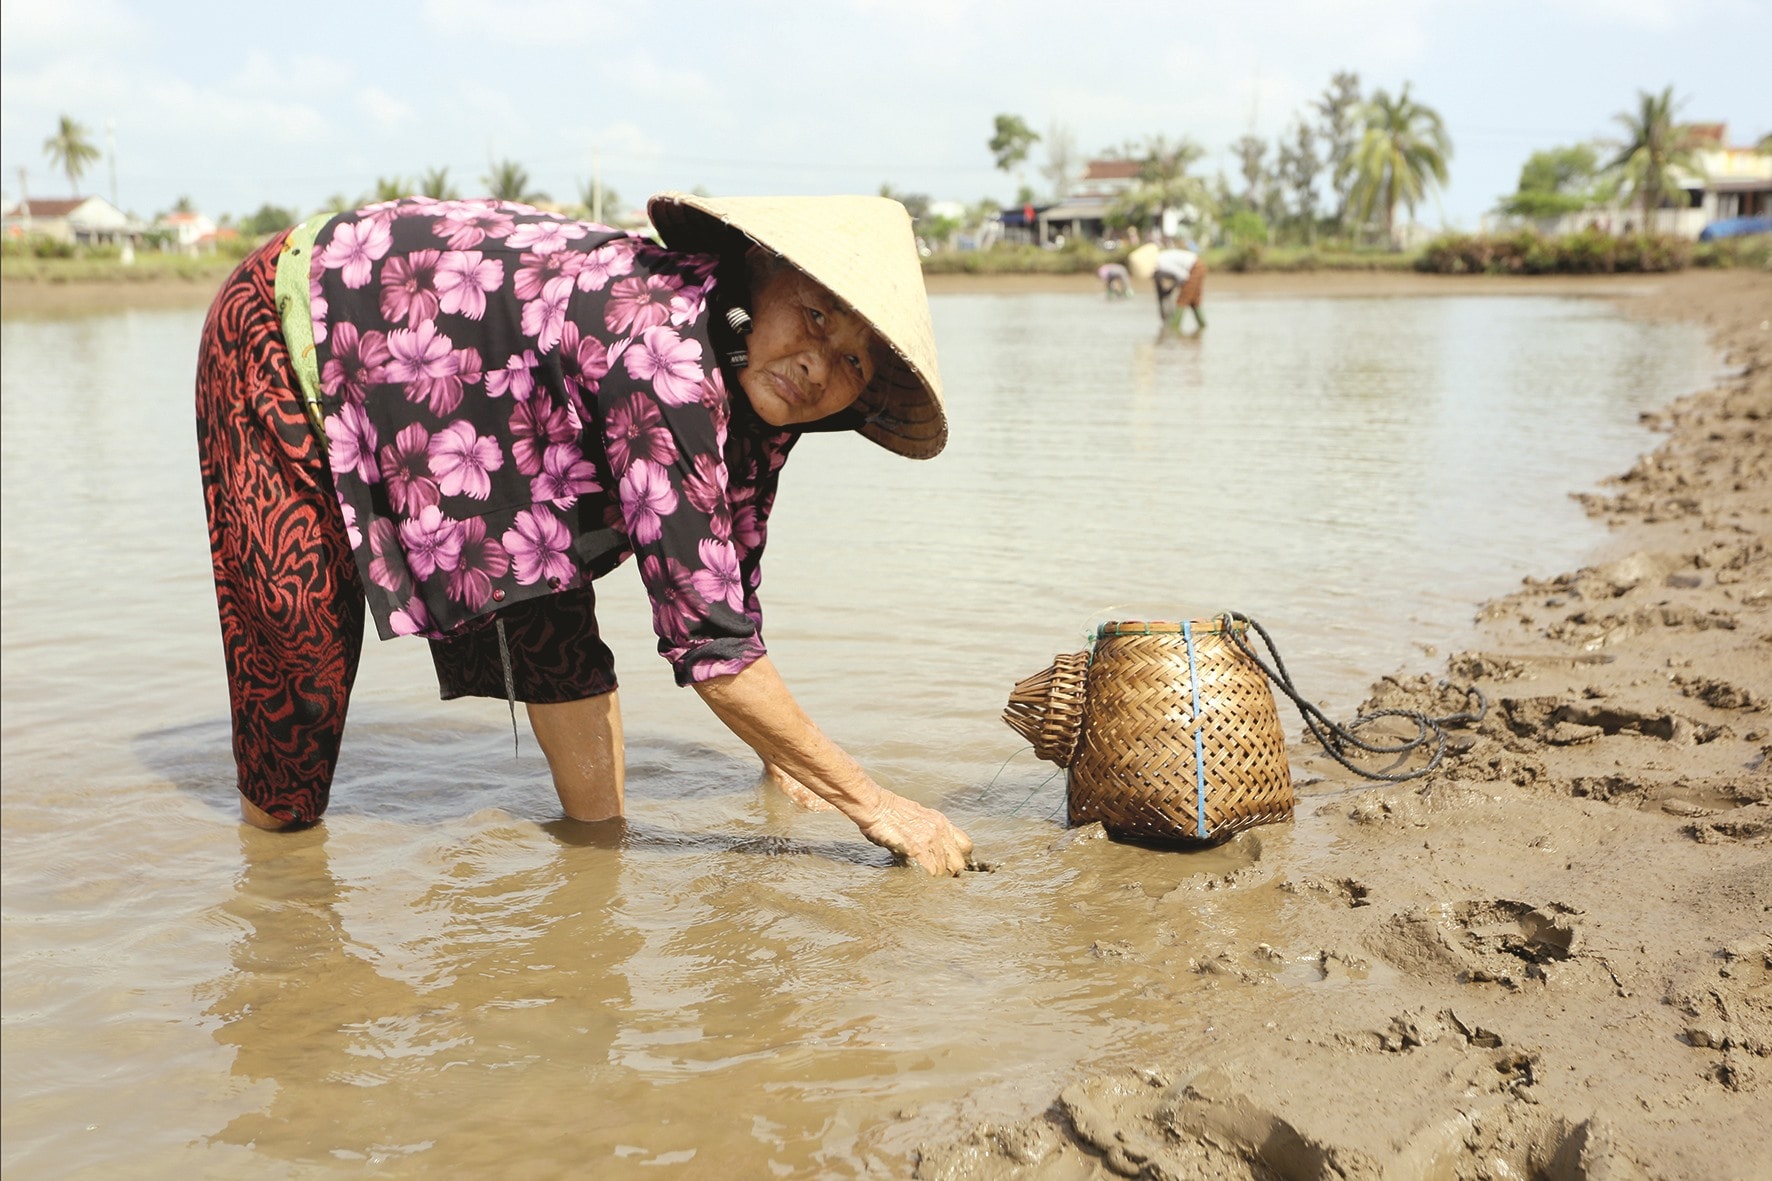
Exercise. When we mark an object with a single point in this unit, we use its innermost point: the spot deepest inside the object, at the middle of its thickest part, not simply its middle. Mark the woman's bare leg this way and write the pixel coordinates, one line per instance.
(582, 742)
(256, 816)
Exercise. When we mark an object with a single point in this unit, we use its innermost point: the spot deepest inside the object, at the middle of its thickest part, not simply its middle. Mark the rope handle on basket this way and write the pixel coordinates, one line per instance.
(1337, 739)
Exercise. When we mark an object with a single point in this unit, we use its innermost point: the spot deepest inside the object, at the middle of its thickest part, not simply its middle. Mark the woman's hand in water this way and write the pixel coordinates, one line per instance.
(918, 834)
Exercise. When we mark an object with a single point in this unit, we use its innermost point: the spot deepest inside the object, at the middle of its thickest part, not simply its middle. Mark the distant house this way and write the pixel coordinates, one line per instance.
(191, 233)
(1084, 210)
(1736, 183)
(81, 221)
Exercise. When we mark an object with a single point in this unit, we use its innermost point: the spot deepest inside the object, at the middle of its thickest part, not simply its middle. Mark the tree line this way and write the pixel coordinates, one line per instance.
(1341, 168)
(1345, 164)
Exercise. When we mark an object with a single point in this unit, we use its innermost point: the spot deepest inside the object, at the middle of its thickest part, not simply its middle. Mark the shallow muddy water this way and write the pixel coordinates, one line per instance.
(444, 979)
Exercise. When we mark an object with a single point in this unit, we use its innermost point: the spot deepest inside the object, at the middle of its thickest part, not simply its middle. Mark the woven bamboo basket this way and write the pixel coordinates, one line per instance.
(1168, 730)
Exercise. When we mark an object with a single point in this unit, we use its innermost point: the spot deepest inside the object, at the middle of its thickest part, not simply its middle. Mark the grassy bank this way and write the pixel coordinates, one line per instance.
(147, 268)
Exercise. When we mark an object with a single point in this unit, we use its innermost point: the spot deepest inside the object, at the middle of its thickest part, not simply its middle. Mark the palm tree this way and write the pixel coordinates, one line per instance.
(508, 181)
(1654, 146)
(1402, 149)
(434, 182)
(70, 151)
(387, 188)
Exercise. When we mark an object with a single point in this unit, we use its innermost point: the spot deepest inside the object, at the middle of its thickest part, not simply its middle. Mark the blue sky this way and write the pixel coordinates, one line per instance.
(237, 105)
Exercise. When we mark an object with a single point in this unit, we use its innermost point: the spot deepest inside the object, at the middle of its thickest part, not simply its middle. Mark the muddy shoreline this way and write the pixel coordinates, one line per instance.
(1551, 958)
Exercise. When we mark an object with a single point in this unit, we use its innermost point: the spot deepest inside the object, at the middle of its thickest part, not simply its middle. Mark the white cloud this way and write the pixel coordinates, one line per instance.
(37, 30)
(385, 110)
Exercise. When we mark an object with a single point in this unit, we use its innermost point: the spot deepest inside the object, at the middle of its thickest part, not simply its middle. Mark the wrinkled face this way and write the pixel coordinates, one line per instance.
(810, 356)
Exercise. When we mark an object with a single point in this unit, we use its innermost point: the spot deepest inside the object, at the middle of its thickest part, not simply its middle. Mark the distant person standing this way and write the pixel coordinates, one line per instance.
(1116, 280)
(1180, 279)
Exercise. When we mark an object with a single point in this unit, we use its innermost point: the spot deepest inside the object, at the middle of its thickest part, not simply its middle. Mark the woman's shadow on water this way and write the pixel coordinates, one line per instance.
(421, 772)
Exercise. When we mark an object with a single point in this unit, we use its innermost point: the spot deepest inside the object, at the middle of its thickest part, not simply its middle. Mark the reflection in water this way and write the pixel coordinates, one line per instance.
(444, 977)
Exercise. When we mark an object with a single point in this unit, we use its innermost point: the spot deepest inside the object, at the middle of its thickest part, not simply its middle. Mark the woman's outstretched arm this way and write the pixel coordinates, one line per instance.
(755, 705)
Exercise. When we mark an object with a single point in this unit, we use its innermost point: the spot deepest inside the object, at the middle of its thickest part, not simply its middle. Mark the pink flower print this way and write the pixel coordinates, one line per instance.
(670, 363)
(350, 443)
(358, 362)
(467, 366)
(463, 461)
(466, 225)
(718, 580)
(411, 620)
(317, 305)
(747, 522)
(538, 544)
(635, 430)
(464, 279)
(355, 248)
(639, 303)
(517, 378)
(387, 565)
(545, 236)
(409, 287)
(424, 361)
(584, 360)
(544, 316)
(687, 305)
(565, 475)
(432, 542)
(353, 534)
(647, 498)
(707, 670)
(675, 605)
(705, 486)
(405, 468)
(537, 425)
(717, 404)
(482, 560)
(550, 273)
(611, 262)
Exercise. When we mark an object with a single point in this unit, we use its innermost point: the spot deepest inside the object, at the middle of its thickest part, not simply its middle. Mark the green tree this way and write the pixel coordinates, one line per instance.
(605, 205)
(1163, 184)
(388, 188)
(509, 181)
(434, 182)
(1337, 111)
(269, 219)
(1554, 182)
(915, 204)
(1298, 169)
(1403, 149)
(183, 205)
(70, 151)
(1654, 147)
(1011, 142)
(1251, 151)
(1060, 169)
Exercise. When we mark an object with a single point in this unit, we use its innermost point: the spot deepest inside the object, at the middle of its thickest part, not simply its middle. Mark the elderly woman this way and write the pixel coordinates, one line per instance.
(462, 413)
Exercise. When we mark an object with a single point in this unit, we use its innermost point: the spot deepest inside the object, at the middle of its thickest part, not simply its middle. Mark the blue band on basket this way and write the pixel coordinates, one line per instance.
(1193, 676)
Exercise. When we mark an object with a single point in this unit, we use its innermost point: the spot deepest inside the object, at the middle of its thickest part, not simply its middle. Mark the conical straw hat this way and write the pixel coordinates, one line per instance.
(862, 250)
(1142, 262)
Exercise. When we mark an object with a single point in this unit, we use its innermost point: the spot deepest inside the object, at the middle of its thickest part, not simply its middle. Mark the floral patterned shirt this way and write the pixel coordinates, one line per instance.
(515, 402)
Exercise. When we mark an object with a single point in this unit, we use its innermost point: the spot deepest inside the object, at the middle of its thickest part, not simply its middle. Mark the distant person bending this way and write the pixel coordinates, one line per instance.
(1116, 281)
(1180, 279)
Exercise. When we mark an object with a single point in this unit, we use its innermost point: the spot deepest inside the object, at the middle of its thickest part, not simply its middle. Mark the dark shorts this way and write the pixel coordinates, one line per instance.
(555, 653)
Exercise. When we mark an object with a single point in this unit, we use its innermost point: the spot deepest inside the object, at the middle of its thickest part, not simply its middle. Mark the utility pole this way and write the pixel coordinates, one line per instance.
(24, 199)
(597, 186)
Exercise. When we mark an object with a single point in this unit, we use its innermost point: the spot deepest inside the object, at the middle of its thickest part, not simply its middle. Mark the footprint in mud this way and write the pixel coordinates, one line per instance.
(1500, 942)
(1338, 891)
(1138, 1124)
